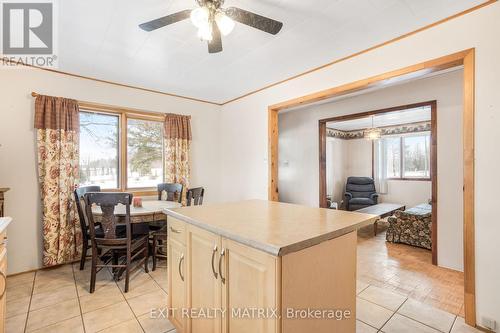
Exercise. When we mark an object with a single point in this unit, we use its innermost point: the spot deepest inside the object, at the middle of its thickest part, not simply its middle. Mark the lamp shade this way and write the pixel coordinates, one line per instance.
(225, 24)
(205, 32)
(373, 134)
(199, 16)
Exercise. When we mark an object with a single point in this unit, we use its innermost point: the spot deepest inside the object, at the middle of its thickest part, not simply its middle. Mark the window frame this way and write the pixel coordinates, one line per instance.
(401, 153)
(123, 116)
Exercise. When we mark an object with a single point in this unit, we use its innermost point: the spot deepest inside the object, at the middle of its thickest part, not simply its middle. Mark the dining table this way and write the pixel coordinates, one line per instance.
(151, 211)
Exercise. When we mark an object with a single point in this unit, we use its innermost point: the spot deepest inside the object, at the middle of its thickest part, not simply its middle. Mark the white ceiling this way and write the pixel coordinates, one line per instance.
(101, 39)
(386, 119)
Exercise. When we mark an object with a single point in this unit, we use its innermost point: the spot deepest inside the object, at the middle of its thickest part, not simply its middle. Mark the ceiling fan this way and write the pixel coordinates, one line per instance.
(212, 20)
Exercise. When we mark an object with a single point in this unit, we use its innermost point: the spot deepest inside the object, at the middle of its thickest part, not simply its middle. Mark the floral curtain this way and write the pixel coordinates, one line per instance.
(177, 150)
(57, 129)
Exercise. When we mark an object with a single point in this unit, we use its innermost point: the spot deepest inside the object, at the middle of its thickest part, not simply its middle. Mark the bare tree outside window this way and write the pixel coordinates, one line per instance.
(144, 153)
(416, 156)
(99, 150)
(408, 156)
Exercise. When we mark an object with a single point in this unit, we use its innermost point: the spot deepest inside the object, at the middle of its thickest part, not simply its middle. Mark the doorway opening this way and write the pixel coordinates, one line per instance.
(465, 59)
(404, 150)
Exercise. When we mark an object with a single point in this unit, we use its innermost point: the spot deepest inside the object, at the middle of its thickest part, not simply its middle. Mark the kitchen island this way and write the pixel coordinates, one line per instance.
(262, 266)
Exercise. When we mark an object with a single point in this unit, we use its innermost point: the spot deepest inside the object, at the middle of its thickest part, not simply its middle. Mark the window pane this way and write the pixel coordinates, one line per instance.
(99, 150)
(144, 153)
(416, 156)
(393, 146)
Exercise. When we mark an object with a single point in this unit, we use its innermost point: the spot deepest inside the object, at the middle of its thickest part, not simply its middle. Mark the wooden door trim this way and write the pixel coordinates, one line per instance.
(464, 58)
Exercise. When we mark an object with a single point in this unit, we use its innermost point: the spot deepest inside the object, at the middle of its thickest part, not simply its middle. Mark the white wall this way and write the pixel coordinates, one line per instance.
(244, 139)
(359, 158)
(18, 169)
(301, 130)
(412, 193)
(346, 158)
(336, 160)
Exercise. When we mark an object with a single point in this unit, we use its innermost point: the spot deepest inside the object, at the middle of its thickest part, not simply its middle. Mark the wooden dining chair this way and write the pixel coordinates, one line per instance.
(109, 244)
(84, 224)
(159, 238)
(170, 192)
(195, 195)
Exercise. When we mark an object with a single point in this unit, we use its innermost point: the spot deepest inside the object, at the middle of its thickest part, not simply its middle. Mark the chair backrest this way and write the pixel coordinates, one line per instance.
(360, 187)
(173, 191)
(108, 201)
(195, 195)
(80, 207)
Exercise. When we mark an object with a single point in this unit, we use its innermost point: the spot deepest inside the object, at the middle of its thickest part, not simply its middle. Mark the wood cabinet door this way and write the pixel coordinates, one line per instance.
(252, 284)
(204, 288)
(177, 283)
(3, 286)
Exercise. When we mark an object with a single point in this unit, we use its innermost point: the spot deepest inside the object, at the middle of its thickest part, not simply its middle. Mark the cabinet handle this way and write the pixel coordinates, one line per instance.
(2, 276)
(213, 261)
(180, 264)
(175, 231)
(222, 254)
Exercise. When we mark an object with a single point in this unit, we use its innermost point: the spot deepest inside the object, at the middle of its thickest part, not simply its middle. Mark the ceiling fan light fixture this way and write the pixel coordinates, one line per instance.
(200, 16)
(225, 23)
(205, 32)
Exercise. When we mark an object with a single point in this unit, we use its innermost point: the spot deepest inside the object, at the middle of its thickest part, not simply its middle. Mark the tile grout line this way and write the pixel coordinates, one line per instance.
(399, 307)
(128, 304)
(386, 308)
(78, 297)
(357, 294)
(29, 306)
(368, 324)
(173, 329)
(401, 314)
(418, 321)
(453, 324)
(32, 294)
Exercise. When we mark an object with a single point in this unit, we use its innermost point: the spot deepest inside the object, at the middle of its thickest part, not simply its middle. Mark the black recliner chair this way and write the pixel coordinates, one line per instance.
(360, 193)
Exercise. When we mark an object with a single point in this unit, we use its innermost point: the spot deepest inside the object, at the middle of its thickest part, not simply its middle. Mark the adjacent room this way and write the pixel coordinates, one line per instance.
(267, 166)
(391, 152)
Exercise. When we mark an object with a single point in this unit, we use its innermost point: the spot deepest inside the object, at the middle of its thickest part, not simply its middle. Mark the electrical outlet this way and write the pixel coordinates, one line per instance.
(489, 323)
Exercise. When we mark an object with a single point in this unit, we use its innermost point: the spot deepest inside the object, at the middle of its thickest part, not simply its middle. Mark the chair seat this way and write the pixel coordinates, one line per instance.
(157, 225)
(120, 232)
(361, 201)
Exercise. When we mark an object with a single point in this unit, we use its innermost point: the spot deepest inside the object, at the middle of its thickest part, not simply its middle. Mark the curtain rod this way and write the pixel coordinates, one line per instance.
(106, 107)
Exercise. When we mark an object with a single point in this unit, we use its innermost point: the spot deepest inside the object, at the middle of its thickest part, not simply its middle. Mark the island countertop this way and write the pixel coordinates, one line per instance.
(272, 227)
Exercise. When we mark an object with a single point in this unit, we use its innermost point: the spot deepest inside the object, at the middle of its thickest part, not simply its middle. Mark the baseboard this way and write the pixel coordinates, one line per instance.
(42, 268)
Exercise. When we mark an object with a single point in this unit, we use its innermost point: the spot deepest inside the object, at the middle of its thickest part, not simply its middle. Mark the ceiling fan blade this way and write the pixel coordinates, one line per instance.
(166, 20)
(215, 45)
(254, 20)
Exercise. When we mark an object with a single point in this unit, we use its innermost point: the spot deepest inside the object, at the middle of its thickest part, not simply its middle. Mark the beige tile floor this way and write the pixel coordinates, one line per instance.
(57, 300)
(409, 271)
(381, 310)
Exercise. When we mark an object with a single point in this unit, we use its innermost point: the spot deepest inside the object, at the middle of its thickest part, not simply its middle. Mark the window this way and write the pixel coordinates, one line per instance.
(408, 156)
(99, 150)
(121, 151)
(393, 156)
(144, 153)
(416, 156)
